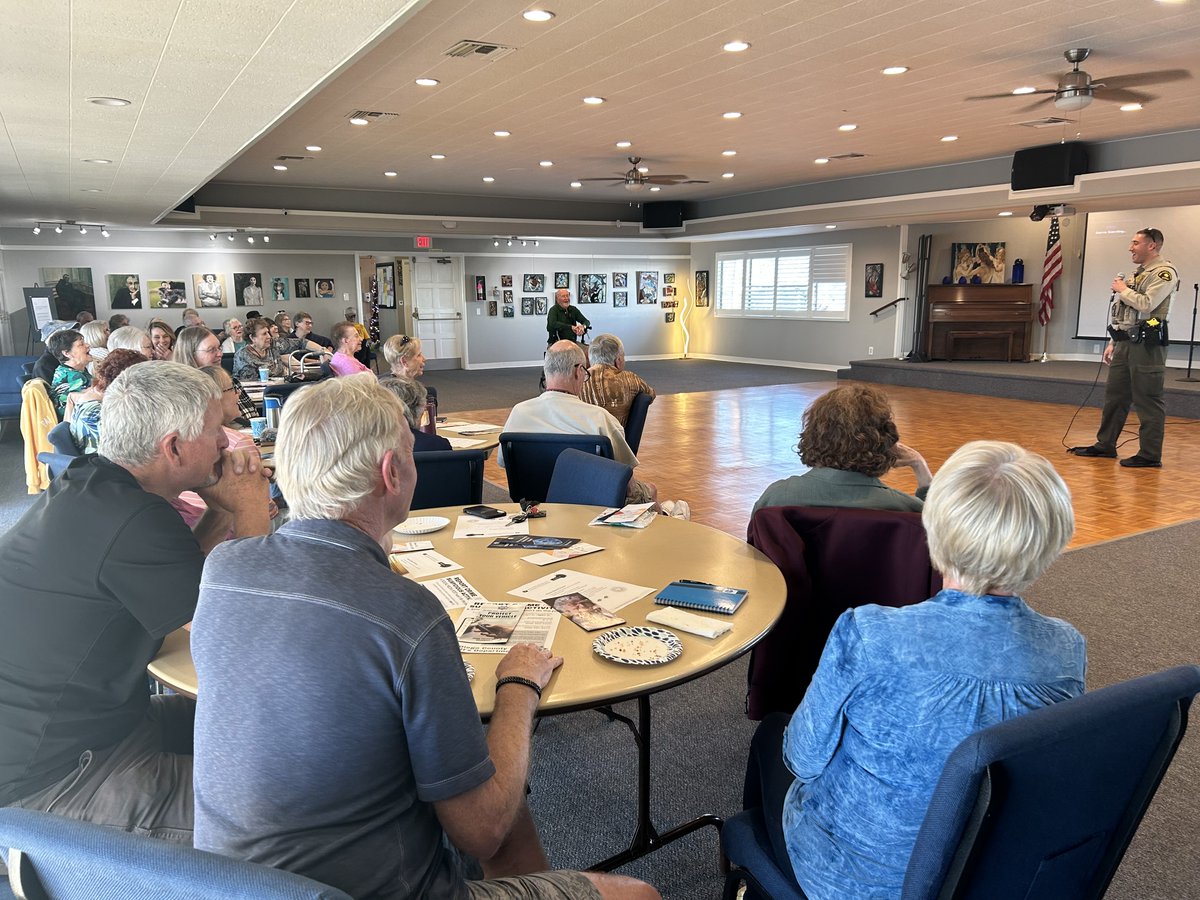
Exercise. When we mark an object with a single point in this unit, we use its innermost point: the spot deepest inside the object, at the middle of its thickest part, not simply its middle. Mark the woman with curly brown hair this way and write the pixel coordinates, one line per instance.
(848, 440)
(85, 422)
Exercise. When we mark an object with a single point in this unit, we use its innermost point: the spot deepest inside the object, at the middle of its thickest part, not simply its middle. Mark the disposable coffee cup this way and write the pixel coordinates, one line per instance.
(257, 426)
(263, 373)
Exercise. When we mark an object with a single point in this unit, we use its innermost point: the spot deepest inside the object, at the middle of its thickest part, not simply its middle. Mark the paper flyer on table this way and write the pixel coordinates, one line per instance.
(553, 556)
(474, 527)
(411, 546)
(463, 443)
(422, 563)
(612, 595)
(495, 627)
(634, 515)
(453, 591)
(453, 426)
(478, 429)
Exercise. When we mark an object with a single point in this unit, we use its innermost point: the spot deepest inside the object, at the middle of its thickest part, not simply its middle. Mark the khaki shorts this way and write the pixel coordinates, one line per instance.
(562, 884)
(638, 492)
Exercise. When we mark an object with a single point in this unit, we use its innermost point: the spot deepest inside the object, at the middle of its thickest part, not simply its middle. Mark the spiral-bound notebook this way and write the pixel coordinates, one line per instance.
(702, 596)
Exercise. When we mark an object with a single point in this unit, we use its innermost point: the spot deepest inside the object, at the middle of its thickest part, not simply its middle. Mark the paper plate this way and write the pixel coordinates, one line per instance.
(470, 670)
(638, 646)
(422, 525)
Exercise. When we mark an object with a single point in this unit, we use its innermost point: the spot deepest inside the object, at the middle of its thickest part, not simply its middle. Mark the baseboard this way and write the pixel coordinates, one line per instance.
(785, 363)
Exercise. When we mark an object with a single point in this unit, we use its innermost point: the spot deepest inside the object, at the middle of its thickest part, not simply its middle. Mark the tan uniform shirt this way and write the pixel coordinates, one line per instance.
(1148, 295)
(613, 390)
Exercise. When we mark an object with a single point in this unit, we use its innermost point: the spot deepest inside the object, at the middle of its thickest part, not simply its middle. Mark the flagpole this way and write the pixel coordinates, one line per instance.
(1051, 270)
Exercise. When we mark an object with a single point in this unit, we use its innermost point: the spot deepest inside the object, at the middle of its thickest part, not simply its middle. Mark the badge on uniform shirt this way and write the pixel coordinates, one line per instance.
(1166, 275)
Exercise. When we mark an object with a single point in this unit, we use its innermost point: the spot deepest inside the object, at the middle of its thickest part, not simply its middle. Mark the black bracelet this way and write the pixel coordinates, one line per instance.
(517, 679)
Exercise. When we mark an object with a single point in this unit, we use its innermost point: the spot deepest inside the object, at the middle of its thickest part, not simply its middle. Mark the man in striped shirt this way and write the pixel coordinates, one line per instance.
(612, 386)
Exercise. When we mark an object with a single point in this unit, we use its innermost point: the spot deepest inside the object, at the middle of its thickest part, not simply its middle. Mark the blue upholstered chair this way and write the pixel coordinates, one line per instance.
(61, 859)
(1042, 806)
(61, 440)
(588, 479)
(637, 420)
(448, 478)
(529, 459)
(227, 362)
(56, 463)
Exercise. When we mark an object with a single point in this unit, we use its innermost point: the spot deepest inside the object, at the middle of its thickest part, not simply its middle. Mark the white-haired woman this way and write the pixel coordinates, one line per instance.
(95, 333)
(898, 689)
(405, 359)
(130, 337)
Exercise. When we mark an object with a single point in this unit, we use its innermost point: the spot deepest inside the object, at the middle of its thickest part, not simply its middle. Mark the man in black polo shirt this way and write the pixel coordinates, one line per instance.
(92, 578)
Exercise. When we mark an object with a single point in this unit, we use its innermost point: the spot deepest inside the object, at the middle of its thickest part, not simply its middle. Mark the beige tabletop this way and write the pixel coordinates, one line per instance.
(668, 549)
(488, 441)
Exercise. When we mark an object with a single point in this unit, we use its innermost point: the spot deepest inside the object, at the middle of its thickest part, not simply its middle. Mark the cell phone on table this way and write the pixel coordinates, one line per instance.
(484, 512)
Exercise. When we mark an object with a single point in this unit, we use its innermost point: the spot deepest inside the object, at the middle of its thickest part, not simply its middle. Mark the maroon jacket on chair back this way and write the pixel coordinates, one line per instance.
(832, 560)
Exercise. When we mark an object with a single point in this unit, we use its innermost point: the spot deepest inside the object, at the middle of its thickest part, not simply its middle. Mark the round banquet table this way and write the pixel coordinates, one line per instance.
(488, 441)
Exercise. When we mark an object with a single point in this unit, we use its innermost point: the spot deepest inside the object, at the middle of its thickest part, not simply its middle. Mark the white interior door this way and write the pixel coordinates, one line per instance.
(438, 308)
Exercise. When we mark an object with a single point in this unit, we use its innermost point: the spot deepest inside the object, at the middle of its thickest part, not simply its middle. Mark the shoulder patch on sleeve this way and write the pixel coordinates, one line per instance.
(1166, 274)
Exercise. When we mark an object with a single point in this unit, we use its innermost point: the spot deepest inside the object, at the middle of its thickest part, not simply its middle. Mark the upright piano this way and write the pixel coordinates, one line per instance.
(980, 321)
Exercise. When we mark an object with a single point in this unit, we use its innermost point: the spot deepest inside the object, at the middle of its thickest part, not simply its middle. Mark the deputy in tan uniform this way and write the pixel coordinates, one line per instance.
(1137, 355)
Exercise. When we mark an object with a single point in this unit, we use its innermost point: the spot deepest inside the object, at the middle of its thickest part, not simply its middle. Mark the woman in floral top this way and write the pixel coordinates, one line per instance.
(73, 355)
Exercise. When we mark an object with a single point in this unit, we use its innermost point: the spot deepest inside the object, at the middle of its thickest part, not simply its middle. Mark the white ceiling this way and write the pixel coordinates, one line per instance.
(220, 89)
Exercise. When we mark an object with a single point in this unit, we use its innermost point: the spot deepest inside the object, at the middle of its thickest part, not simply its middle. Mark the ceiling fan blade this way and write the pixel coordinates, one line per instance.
(1124, 95)
(1038, 104)
(667, 177)
(694, 181)
(1136, 79)
(618, 178)
(1011, 94)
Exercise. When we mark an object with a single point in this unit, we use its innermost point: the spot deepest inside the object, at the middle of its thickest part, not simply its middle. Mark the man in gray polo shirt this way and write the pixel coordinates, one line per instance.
(336, 733)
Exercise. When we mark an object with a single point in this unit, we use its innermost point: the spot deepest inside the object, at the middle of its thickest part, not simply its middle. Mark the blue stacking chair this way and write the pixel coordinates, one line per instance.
(61, 859)
(588, 479)
(529, 459)
(56, 462)
(637, 419)
(448, 478)
(61, 440)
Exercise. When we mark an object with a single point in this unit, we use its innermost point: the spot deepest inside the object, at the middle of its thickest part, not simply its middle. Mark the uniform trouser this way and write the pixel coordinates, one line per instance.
(1135, 377)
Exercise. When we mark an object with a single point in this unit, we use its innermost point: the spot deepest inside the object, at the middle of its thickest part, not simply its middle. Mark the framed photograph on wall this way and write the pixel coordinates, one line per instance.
(533, 284)
(647, 287)
(492, 307)
(873, 279)
(72, 291)
(528, 304)
(209, 288)
(385, 278)
(669, 318)
(505, 281)
(620, 279)
(170, 294)
(702, 288)
(508, 296)
(543, 305)
(125, 291)
(668, 278)
(509, 311)
(279, 288)
(562, 280)
(620, 298)
(247, 288)
(593, 289)
(325, 289)
(303, 288)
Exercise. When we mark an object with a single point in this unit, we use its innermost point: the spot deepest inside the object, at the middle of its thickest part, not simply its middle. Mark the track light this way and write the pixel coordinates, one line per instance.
(496, 243)
(58, 229)
(103, 231)
(266, 239)
(510, 242)
(212, 237)
(37, 229)
(229, 237)
(83, 229)
(250, 239)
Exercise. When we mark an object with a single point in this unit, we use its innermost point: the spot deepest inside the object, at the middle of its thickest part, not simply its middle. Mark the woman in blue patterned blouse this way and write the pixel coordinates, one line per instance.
(898, 689)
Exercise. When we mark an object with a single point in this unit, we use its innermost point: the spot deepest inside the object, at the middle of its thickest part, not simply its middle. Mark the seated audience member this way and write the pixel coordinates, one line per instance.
(234, 342)
(405, 359)
(348, 342)
(258, 353)
(92, 577)
(304, 329)
(85, 420)
(849, 439)
(363, 355)
(130, 337)
(199, 348)
(162, 339)
(287, 343)
(413, 398)
(560, 411)
(117, 320)
(898, 689)
(612, 386)
(83, 317)
(378, 797)
(95, 335)
(71, 376)
(191, 319)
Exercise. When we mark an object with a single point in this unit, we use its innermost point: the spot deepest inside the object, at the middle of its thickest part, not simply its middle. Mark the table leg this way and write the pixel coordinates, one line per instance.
(646, 838)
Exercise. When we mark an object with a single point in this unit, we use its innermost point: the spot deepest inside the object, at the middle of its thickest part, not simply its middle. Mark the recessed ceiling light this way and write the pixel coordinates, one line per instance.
(92, 191)
(821, 160)
(537, 15)
(1007, 212)
(576, 184)
(894, 70)
(280, 168)
(727, 175)
(949, 138)
(731, 115)
(624, 145)
(736, 47)
(488, 178)
(428, 82)
(390, 174)
(1024, 90)
(437, 155)
(831, 227)
(1130, 107)
(313, 148)
(108, 101)
(593, 101)
(359, 120)
(655, 188)
(729, 153)
(546, 163)
(97, 161)
(501, 133)
(849, 126)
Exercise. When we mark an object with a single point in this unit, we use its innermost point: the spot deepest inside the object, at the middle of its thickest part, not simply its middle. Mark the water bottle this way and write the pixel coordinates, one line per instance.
(1019, 272)
(271, 408)
(430, 420)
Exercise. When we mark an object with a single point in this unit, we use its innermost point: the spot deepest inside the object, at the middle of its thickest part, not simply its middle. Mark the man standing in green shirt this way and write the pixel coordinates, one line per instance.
(565, 322)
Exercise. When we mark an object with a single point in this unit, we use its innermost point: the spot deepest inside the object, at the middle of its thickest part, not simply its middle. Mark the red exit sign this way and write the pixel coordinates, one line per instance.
(423, 242)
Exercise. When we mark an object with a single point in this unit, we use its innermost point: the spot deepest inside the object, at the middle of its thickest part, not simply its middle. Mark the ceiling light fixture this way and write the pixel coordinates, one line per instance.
(1130, 107)
(488, 179)
(1024, 90)
(98, 162)
(510, 242)
(212, 237)
(727, 175)
(537, 15)
(821, 160)
(266, 239)
(645, 170)
(37, 228)
(546, 163)
(831, 227)
(229, 237)
(894, 70)
(390, 174)
(593, 101)
(849, 126)
(654, 189)
(736, 47)
(502, 133)
(91, 191)
(108, 101)
(495, 242)
(729, 153)
(1007, 212)
(82, 226)
(428, 82)
(103, 231)
(313, 148)
(949, 138)
(731, 115)
(437, 155)
(279, 167)
(83, 229)
(359, 120)
(58, 229)
(576, 184)
(250, 239)
(624, 145)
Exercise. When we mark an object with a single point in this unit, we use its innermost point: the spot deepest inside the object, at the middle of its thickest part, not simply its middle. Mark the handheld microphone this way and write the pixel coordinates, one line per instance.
(1120, 275)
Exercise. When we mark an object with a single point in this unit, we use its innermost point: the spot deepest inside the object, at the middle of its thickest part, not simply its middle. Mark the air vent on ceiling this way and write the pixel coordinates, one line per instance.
(286, 158)
(467, 49)
(1048, 122)
(372, 115)
(849, 156)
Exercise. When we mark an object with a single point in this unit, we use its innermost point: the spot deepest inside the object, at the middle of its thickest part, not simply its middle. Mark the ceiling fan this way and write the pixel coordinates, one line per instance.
(1076, 89)
(639, 177)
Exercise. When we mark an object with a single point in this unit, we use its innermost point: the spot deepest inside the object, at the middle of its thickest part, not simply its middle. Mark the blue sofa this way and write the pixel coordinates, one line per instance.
(11, 382)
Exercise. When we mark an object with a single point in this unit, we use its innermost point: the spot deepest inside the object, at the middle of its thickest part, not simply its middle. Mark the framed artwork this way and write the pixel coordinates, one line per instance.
(126, 291)
(509, 311)
(702, 288)
(562, 280)
(620, 279)
(669, 318)
(668, 277)
(480, 288)
(385, 279)
(325, 288)
(247, 288)
(492, 307)
(279, 289)
(620, 298)
(593, 289)
(508, 296)
(983, 260)
(543, 305)
(209, 288)
(873, 278)
(169, 294)
(533, 284)
(72, 291)
(505, 281)
(528, 304)
(303, 288)
(647, 287)
(669, 290)
(668, 304)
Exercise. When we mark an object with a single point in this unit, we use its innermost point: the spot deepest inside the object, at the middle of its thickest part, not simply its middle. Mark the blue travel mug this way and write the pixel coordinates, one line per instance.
(271, 409)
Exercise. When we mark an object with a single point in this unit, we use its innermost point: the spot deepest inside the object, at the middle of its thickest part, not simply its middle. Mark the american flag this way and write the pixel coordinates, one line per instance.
(1050, 272)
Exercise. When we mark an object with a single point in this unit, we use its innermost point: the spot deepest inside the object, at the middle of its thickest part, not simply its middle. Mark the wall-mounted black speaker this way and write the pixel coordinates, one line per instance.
(1054, 165)
(666, 214)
